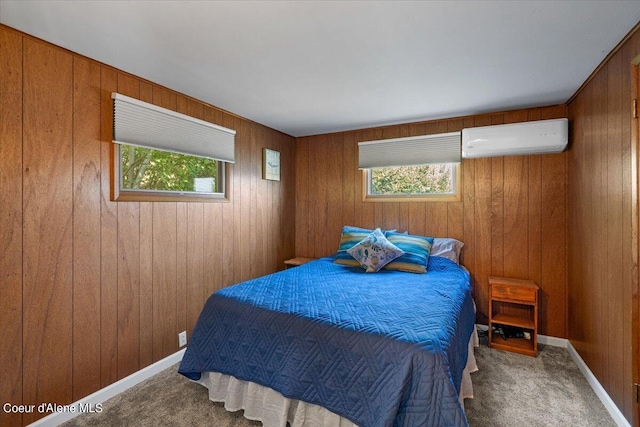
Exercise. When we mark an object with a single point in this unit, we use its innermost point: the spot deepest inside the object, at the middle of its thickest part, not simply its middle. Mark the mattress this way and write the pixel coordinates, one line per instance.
(377, 349)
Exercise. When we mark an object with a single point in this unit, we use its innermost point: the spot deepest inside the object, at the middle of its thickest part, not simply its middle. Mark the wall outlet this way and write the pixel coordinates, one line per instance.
(182, 338)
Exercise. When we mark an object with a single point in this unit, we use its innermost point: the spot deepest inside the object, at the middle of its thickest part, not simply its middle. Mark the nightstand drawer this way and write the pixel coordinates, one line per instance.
(513, 293)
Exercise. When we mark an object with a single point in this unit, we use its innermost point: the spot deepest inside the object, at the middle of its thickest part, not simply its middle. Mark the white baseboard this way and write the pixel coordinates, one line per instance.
(553, 341)
(602, 394)
(108, 392)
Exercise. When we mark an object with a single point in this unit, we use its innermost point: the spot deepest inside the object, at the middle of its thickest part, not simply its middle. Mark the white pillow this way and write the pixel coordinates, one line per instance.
(447, 248)
(375, 251)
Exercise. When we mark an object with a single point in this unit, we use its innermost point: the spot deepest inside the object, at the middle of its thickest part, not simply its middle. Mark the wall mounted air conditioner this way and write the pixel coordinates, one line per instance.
(539, 137)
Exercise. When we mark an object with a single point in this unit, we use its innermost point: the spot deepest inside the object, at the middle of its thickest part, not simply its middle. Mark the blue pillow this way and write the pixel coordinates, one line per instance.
(416, 252)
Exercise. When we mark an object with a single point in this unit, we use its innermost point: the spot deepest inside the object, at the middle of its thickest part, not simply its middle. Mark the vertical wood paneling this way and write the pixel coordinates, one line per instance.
(108, 238)
(349, 174)
(358, 136)
(516, 219)
(482, 238)
(334, 195)
(322, 151)
(435, 219)
(495, 218)
(286, 198)
(303, 248)
(128, 289)
(11, 222)
(630, 131)
(254, 218)
(164, 280)
(195, 263)
(602, 210)
(228, 233)
(243, 148)
(534, 206)
(146, 284)
(86, 228)
(212, 228)
(93, 290)
(128, 267)
(553, 281)
(48, 225)
(615, 220)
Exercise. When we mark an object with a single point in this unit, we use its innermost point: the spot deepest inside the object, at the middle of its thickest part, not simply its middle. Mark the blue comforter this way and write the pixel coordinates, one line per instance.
(381, 349)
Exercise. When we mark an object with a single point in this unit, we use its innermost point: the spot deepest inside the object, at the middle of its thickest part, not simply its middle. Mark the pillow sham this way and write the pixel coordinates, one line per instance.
(416, 252)
(447, 248)
(374, 251)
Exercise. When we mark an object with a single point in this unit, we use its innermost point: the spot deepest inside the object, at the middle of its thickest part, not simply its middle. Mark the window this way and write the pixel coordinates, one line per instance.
(425, 168)
(162, 155)
(145, 171)
(428, 182)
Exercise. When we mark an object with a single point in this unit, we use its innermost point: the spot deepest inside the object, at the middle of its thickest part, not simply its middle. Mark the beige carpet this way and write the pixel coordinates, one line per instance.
(510, 390)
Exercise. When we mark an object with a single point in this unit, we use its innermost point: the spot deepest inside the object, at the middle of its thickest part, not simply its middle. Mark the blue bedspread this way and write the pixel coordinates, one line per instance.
(381, 349)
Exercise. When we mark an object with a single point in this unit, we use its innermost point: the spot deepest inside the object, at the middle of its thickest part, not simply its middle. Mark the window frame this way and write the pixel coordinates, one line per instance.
(440, 197)
(119, 194)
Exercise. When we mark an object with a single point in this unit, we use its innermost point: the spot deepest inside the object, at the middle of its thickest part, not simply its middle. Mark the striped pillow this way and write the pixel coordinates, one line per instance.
(416, 252)
(351, 236)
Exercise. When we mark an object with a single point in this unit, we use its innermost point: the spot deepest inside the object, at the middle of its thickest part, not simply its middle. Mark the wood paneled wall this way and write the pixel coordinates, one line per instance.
(93, 290)
(602, 265)
(511, 216)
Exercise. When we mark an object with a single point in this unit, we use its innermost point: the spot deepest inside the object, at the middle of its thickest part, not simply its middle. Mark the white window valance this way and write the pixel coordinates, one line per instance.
(145, 125)
(411, 151)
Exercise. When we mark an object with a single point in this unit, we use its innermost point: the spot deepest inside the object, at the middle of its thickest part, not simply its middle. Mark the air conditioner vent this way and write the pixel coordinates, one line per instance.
(539, 137)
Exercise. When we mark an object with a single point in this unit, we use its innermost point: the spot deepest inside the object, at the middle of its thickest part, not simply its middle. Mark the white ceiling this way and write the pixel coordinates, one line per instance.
(314, 67)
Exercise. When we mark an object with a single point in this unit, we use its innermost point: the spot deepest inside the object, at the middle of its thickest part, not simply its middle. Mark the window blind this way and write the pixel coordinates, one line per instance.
(139, 123)
(411, 151)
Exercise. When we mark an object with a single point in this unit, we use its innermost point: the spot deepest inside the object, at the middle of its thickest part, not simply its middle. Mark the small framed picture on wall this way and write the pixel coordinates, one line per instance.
(270, 164)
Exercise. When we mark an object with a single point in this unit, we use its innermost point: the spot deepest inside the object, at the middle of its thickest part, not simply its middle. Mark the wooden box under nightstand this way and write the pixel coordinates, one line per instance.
(514, 302)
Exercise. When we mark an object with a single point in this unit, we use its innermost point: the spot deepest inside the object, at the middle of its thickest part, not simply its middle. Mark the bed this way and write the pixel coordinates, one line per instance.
(324, 340)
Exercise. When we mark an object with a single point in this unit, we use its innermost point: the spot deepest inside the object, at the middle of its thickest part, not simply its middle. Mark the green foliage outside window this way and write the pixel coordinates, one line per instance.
(147, 169)
(413, 180)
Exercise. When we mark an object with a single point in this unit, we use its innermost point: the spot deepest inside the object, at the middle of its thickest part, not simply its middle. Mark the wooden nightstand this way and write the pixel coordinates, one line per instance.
(294, 262)
(514, 303)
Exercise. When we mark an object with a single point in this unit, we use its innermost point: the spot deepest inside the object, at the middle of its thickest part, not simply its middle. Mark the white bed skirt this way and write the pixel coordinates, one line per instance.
(273, 409)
